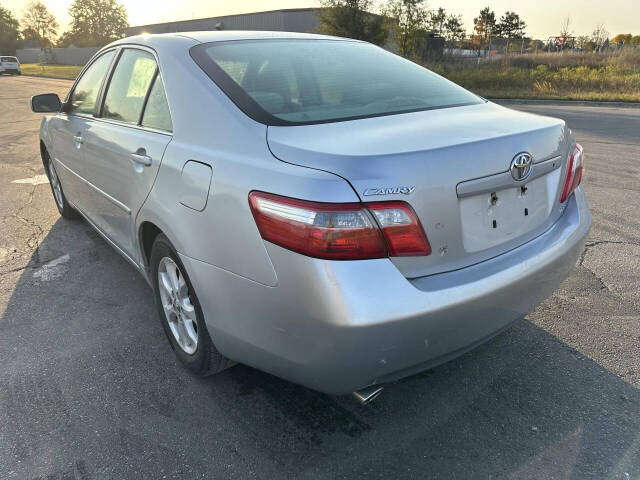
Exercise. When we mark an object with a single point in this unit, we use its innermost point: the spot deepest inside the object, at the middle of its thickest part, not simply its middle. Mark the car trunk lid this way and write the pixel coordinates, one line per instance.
(452, 166)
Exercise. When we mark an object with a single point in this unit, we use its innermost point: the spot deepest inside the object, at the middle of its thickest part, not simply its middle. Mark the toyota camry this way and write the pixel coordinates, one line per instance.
(315, 207)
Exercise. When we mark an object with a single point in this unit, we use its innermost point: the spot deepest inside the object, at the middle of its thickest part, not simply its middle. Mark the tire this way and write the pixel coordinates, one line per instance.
(66, 210)
(200, 356)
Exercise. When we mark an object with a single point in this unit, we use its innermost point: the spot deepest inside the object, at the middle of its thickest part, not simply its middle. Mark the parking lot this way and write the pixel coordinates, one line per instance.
(90, 389)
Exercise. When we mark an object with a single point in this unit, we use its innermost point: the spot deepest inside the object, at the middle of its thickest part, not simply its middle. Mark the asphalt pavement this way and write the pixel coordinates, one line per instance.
(90, 389)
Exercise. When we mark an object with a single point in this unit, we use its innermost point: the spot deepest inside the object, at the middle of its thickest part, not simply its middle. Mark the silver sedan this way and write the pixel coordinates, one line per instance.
(315, 207)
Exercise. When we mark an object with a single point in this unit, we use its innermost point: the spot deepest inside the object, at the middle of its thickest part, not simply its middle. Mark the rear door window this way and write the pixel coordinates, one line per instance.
(129, 85)
(83, 98)
(156, 112)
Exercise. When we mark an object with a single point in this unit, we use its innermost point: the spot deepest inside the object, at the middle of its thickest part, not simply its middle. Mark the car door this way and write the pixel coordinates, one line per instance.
(123, 149)
(67, 130)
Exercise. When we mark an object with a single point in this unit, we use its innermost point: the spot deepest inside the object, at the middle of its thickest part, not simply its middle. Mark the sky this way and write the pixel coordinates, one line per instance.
(543, 17)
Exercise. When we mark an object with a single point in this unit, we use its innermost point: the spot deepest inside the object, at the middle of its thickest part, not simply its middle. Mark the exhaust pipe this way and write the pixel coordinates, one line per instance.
(367, 395)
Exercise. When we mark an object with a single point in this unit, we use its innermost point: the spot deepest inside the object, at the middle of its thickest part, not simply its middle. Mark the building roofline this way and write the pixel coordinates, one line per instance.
(280, 10)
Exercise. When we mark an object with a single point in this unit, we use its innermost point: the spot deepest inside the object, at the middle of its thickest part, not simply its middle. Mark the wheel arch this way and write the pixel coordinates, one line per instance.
(148, 229)
(147, 233)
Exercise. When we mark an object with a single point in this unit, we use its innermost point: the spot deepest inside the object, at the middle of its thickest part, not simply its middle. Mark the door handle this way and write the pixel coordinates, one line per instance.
(78, 138)
(141, 158)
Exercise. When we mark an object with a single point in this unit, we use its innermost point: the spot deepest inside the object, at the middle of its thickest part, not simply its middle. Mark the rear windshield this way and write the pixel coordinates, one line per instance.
(292, 82)
(8, 59)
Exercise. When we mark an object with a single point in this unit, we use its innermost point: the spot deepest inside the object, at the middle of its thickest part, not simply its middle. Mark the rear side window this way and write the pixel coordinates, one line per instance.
(128, 87)
(156, 113)
(83, 98)
(300, 81)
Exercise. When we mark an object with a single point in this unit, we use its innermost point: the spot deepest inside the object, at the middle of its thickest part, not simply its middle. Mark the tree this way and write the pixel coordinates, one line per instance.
(535, 45)
(9, 32)
(582, 42)
(511, 26)
(351, 19)
(64, 40)
(40, 24)
(408, 23)
(437, 21)
(622, 39)
(484, 26)
(96, 22)
(636, 40)
(454, 30)
(565, 27)
(600, 38)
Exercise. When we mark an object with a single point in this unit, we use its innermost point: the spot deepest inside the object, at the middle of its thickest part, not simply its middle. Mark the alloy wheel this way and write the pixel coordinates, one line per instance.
(177, 306)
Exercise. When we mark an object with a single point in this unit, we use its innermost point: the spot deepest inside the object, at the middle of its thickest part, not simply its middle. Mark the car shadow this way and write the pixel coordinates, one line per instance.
(88, 382)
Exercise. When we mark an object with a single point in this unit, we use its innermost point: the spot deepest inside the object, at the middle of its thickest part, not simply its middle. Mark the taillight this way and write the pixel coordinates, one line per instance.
(339, 231)
(401, 228)
(574, 172)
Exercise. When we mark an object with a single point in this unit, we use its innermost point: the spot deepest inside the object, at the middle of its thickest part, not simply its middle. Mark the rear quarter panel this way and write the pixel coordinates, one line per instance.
(210, 129)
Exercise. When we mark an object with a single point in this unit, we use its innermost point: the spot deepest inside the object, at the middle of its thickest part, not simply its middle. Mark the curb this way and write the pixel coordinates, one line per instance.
(569, 103)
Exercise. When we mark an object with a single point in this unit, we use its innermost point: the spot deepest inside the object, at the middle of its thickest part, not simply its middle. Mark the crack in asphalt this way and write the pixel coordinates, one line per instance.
(595, 243)
(33, 241)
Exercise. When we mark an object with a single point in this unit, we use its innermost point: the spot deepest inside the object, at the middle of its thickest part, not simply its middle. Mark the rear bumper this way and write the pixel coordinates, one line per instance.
(339, 326)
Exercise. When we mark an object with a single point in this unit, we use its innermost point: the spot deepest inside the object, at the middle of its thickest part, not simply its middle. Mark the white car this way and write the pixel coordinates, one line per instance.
(10, 65)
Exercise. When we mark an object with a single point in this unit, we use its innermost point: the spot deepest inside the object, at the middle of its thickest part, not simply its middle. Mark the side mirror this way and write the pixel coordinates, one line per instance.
(46, 103)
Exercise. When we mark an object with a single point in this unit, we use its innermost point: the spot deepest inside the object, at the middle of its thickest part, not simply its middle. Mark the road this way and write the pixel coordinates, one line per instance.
(89, 388)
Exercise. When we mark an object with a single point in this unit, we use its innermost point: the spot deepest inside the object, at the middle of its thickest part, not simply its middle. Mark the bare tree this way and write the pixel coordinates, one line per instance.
(565, 27)
(39, 23)
(600, 37)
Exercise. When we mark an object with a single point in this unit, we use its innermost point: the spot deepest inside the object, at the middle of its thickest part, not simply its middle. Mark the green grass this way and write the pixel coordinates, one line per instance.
(566, 83)
(569, 76)
(62, 71)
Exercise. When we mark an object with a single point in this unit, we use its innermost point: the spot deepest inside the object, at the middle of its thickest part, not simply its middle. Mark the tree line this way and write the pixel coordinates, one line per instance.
(93, 23)
(407, 23)
(403, 23)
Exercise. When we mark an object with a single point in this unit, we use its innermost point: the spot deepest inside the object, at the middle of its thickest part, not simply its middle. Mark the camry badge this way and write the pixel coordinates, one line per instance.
(399, 190)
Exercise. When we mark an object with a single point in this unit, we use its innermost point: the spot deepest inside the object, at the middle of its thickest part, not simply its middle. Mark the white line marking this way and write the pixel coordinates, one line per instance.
(35, 180)
(53, 269)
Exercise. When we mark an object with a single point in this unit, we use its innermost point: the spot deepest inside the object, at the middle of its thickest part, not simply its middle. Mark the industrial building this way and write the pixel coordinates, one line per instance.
(286, 20)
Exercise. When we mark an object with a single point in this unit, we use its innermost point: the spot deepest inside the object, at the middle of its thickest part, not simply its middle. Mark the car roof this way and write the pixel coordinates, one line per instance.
(225, 35)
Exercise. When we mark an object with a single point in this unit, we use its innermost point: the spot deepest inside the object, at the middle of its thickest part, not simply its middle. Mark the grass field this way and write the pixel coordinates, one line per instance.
(570, 76)
(611, 76)
(62, 71)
